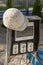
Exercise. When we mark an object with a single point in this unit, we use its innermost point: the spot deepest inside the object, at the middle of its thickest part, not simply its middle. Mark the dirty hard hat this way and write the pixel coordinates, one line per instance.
(14, 19)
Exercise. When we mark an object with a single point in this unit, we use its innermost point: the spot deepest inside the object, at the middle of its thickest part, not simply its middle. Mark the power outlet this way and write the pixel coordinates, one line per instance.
(30, 46)
(22, 47)
(15, 48)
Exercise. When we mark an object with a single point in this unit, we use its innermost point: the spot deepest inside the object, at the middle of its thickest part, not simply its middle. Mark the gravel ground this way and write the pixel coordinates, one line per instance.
(15, 60)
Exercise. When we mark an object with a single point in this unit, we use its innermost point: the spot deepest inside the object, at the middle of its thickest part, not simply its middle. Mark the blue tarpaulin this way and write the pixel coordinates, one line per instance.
(38, 59)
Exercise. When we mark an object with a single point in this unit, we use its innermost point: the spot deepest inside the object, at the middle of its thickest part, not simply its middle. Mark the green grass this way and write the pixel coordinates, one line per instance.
(30, 6)
(2, 8)
(22, 7)
(19, 7)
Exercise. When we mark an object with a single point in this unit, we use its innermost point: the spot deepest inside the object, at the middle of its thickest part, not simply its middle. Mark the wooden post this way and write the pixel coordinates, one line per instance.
(36, 34)
(8, 46)
(12, 40)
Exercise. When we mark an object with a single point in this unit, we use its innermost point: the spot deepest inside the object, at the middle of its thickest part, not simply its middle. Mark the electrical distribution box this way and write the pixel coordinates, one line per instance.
(23, 40)
(27, 40)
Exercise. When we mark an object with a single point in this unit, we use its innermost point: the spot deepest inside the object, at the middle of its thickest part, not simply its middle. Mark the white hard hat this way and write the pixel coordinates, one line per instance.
(14, 19)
